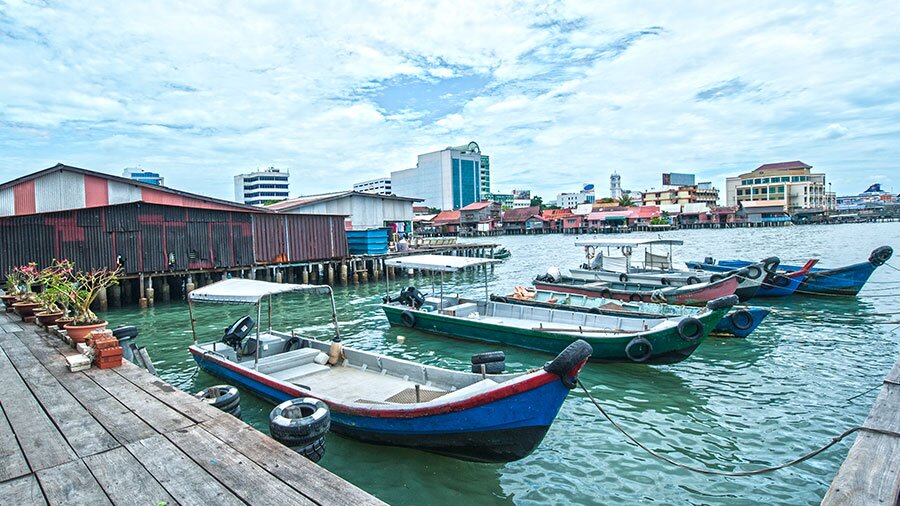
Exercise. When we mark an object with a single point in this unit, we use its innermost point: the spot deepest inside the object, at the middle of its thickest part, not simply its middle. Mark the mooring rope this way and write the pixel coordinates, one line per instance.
(701, 470)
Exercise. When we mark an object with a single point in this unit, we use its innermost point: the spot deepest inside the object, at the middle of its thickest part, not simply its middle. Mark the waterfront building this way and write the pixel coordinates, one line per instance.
(790, 185)
(261, 187)
(523, 220)
(143, 176)
(615, 186)
(571, 200)
(381, 186)
(676, 179)
(447, 179)
(504, 199)
(480, 218)
(521, 203)
(362, 210)
(555, 218)
(446, 222)
(698, 193)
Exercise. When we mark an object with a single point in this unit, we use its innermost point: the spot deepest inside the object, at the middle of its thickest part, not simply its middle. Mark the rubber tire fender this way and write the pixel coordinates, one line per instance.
(623, 278)
(639, 340)
(741, 319)
(715, 278)
(753, 272)
(488, 356)
(771, 264)
(313, 451)
(665, 281)
(299, 431)
(780, 281)
(605, 293)
(685, 326)
(227, 398)
(567, 359)
(692, 280)
(408, 318)
(490, 367)
(881, 255)
(636, 297)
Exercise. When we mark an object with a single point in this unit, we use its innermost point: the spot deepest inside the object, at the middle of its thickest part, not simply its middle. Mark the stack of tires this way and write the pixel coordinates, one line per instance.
(491, 362)
(301, 424)
(225, 397)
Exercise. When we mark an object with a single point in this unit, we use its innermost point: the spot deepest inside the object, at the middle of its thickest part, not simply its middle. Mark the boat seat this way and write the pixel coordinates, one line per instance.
(287, 360)
(461, 309)
(294, 373)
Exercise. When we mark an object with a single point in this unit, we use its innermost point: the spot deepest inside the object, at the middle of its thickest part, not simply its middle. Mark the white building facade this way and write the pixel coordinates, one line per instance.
(257, 188)
(446, 179)
(381, 186)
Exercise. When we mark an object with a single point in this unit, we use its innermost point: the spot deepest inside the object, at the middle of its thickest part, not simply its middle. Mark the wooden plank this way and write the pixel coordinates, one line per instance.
(870, 475)
(14, 463)
(894, 375)
(240, 474)
(145, 406)
(125, 480)
(84, 434)
(22, 491)
(313, 481)
(71, 483)
(39, 439)
(885, 414)
(184, 403)
(182, 478)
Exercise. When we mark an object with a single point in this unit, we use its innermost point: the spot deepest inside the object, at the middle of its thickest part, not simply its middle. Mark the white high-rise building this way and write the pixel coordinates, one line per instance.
(447, 179)
(266, 186)
(381, 186)
(615, 186)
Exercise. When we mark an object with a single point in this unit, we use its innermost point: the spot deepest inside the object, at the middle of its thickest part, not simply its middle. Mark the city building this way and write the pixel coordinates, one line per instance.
(676, 179)
(615, 186)
(698, 193)
(504, 199)
(571, 200)
(788, 185)
(525, 220)
(522, 194)
(363, 210)
(480, 218)
(447, 179)
(261, 187)
(381, 186)
(485, 176)
(143, 176)
(520, 203)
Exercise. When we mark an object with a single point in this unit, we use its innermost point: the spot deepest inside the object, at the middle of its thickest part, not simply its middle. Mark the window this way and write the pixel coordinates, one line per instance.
(756, 191)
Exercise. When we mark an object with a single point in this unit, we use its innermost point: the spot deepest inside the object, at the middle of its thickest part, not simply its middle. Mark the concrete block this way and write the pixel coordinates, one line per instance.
(78, 362)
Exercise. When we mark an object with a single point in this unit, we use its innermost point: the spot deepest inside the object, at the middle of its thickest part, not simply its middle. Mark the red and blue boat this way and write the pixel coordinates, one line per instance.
(384, 400)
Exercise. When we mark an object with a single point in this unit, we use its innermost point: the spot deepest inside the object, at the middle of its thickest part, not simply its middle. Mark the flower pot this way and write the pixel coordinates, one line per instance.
(49, 319)
(8, 301)
(79, 333)
(62, 322)
(26, 309)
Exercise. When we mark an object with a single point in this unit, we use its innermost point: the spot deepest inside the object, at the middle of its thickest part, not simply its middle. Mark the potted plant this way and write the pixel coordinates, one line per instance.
(57, 282)
(27, 300)
(12, 290)
(85, 288)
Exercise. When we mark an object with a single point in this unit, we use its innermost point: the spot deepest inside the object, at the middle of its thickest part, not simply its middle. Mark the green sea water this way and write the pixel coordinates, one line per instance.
(734, 404)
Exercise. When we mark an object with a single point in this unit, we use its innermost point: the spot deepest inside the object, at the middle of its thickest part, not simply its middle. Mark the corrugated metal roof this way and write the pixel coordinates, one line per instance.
(289, 204)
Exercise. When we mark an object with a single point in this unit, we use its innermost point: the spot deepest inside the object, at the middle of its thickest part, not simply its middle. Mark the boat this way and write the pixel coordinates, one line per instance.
(612, 339)
(775, 284)
(380, 399)
(501, 253)
(689, 295)
(846, 280)
(739, 322)
(655, 268)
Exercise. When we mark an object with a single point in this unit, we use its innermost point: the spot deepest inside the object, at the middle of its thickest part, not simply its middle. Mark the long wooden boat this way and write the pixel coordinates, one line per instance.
(690, 295)
(846, 280)
(775, 284)
(739, 322)
(384, 400)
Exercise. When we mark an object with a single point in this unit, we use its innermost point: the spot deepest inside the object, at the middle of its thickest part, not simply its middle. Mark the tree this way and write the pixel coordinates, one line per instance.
(625, 201)
(537, 201)
(606, 200)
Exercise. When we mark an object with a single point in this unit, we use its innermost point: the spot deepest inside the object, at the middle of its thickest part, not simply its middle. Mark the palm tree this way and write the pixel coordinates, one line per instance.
(625, 201)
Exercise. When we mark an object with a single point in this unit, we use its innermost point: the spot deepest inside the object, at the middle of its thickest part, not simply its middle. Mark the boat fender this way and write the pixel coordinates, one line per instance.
(224, 397)
(321, 358)
(623, 278)
(693, 280)
(753, 272)
(771, 263)
(690, 329)
(295, 343)
(635, 297)
(722, 302)
(779, 280)
(299, 422)
(408, 318)
(715, 277)
(881, 255)
(741, 319)
(605, 293)
(568, 361)
(488, 356)
(636, 345)
(595, 310)
(489, 367)
(665, 281)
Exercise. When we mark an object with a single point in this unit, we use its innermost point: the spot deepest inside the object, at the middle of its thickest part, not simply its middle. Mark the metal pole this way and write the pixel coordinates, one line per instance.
(193, 328)
(487, 295)
(442, 290)
(337, 331)
(258, 319)
(270, 313)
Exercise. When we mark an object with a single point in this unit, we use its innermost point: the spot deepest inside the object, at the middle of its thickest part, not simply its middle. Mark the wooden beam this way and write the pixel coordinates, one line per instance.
(14, 463)
(24, 491)
(125, 480)
(71, 483)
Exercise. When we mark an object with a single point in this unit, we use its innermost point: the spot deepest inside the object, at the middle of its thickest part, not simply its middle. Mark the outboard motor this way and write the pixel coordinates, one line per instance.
(237, 331)
(411, 297)
(126, 334)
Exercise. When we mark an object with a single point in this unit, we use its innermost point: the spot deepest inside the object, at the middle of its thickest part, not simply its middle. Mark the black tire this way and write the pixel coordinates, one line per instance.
(236, 412)
(665, 281)
(299, 422)
(408, 318)
(637, 342)
(781, 281)
(881, 255)
(223, 397)
(595, 310)
(723, 302)
(771, 264)
(635, 297)
(623, 278)
(753, 272)
(690, 329)
(295, 343)
(692, 280)
(488, 356)
(574, 354)
(313, 451)
(605, 293)
(489, 367)
(741, 319)
(715, 278)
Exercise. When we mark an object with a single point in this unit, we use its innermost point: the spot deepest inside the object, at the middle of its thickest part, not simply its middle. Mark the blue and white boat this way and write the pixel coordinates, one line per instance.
(384, 400)
(847, 280)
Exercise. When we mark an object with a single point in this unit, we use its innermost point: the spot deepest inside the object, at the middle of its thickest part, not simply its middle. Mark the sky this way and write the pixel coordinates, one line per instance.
(557, 93)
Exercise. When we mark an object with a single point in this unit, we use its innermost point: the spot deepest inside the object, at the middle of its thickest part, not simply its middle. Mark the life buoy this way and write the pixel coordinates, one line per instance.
(693, 280)
(408, 318)
(637, 344)
(690, 329)
(635, 297)
(741, 319)
(623, 278)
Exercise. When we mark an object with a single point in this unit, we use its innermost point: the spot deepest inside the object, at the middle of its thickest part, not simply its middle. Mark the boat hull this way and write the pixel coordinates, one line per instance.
(691, 295)
(787, 285)
(847, 280)
(499, 426)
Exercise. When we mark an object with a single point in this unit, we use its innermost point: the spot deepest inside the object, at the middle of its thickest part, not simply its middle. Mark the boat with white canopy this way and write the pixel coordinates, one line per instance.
(380, 399)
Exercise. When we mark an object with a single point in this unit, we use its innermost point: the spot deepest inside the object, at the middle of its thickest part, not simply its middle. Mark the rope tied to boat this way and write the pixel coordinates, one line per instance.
(753, 472)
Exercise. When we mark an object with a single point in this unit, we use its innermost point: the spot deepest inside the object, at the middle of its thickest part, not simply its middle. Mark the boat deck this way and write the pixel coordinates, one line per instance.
(123, 436)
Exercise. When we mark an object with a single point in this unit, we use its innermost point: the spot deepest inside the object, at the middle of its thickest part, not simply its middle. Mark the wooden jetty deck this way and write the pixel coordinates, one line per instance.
(871, 473)
(123, 436)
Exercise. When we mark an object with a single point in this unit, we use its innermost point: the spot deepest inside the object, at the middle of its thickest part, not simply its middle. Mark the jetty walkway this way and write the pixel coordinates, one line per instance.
(871, 472)
(123, 436)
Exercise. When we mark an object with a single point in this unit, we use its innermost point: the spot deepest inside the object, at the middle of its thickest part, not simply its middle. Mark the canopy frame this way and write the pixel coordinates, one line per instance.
(441, 264)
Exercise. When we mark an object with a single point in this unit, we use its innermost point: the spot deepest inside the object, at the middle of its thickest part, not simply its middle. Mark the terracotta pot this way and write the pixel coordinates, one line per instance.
(79, 333)
(49, 319)
(26, 309)
(62, 322)
(8, 300)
